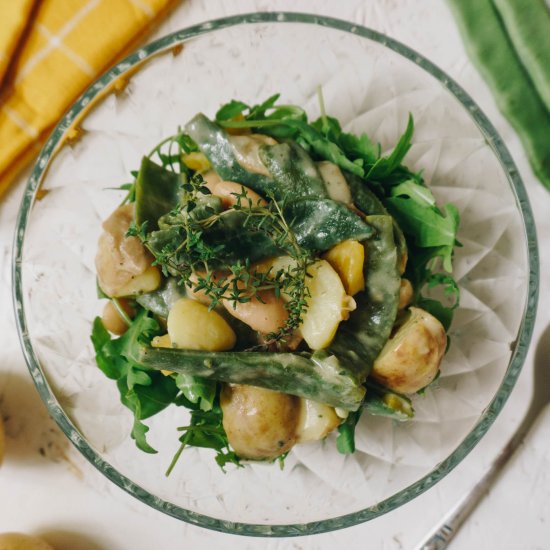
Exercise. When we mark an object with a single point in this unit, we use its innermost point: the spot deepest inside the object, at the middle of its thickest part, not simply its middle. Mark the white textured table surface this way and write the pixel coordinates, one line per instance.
(47, 488)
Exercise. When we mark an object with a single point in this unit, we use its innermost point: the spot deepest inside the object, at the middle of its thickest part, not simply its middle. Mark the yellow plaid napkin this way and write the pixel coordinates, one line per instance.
(54, 49)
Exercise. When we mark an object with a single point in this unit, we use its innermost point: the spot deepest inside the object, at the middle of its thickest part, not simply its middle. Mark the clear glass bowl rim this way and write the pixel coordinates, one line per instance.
(518, 354)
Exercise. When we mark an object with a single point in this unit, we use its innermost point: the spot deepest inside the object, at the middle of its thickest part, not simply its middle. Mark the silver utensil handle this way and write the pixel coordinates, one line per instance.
(445, 531)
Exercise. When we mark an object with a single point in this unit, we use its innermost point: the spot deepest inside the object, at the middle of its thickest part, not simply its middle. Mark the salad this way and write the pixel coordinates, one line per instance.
(276, 277)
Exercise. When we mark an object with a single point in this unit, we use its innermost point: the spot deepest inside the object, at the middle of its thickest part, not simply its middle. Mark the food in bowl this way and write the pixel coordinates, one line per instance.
(276, 277)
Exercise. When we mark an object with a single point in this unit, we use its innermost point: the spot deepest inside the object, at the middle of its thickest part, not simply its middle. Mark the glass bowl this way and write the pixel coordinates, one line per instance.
(370, 82)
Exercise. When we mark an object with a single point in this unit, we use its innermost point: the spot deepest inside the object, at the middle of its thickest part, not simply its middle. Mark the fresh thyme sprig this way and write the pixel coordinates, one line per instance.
(208, 268)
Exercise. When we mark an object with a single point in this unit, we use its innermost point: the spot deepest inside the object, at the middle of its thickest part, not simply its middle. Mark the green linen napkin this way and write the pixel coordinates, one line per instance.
(509, 42)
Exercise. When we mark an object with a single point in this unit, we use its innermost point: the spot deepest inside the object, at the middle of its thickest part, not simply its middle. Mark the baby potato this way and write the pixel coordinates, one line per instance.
(226, 191)
(411, 357)
(316, 421)
(18, 541)
(328, 305)
(196, 161)
(192, 326)
(211, 180)
(123, 264)
(348, 259)
(161, 341)
(198, 295)
(266, 315)
(2, 439)
(405, 293)
(145, 282)
(111, 318)
(259, 423)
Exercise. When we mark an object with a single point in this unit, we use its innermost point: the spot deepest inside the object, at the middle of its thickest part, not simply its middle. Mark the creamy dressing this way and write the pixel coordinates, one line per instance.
(335, 182)
(247, 151)
(120, 260)
(315, 421)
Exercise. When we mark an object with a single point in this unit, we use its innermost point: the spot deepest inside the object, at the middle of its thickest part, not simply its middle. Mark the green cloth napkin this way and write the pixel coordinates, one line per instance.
(509, 41)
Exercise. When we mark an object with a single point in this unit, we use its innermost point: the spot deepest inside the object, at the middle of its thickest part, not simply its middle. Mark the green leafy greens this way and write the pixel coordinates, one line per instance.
(429, 230)
(146, 392)
(193, 239)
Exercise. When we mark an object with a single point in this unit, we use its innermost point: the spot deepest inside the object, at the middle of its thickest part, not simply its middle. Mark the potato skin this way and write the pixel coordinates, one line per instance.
(112, 320)
(191, 325)
(265, 316)
(2, 439)
(316, 420)
(19, 541)
(259, 423)
(121, 261)
(410, 359)
(406, 292)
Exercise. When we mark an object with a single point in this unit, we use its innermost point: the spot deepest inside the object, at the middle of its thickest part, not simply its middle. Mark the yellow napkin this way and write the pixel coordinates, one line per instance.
(66, 45)
(14, 17)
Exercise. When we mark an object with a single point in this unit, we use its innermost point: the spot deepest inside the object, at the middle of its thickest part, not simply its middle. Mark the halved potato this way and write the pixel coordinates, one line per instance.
(259, 423)
(196, 161)
(192, 326)
(111, 318)
(316, 421)
(328, 303)
(145, 282)
(411, 357)
(348, 259)
(123, 264)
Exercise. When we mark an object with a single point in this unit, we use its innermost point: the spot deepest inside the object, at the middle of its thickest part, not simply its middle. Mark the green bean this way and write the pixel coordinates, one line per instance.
(360, 339)
(528, 26)
(492, 51)
(157, 192)
(318, 376)
(214, 142)
(293, 170)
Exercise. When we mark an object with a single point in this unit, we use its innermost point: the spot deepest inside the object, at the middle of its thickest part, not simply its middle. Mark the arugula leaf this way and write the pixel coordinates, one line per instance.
(443, 314)
(199, 391)
(323, 137)
(231, 110)
(100, 339)
(384, 166)
(323, 147)
(441, 309)
(142, 330)
(360, 149)
(450, 287)
(379, 401)
(138, 435)
(258, 111)
(186, 143)
(145, 392)
(419, 193)
(136, 377)
(345, 442)
(206, 430)
(427, 225)
(152, 398)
